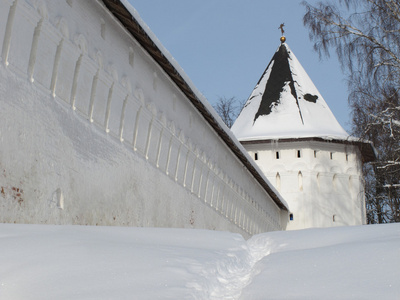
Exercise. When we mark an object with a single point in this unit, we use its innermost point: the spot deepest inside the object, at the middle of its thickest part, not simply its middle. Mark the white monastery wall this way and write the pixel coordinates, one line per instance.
(94, 132)
(322, 184)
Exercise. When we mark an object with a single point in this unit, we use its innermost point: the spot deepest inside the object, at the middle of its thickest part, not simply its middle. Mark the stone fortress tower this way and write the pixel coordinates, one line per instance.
(289, 130)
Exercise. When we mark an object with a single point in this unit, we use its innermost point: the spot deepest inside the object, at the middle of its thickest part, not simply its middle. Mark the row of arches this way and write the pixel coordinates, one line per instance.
(350, 170)
(335, 182)
(98, 96)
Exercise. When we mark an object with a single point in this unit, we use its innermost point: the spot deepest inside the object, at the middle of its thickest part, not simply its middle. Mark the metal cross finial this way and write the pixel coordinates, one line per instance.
(281, 28)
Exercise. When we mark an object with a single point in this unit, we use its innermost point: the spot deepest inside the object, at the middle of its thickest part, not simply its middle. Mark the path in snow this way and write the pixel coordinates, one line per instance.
(82, 262)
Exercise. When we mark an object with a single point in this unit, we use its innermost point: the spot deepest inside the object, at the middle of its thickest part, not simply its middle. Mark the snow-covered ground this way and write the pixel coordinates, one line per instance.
(81, 262)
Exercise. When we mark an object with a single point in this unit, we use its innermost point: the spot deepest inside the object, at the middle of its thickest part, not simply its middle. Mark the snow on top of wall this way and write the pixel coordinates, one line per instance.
(286, 104)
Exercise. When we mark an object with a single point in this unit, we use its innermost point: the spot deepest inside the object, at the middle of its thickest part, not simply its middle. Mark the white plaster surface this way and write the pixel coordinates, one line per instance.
(93, 134)
(320, 191)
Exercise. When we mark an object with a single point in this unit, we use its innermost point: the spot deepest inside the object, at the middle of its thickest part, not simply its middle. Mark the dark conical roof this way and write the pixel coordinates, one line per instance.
(285, 103)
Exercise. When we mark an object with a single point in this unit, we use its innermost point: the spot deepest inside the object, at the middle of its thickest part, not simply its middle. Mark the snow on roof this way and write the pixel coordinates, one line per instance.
(286, 104)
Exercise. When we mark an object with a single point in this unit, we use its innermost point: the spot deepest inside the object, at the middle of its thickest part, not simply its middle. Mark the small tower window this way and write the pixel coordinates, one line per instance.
(334, 218)
(347, 157)
(335, 181)
(277, 154)
(298, 153)
(256, 156)
(331, 155)
(291, 217)
(315, 153)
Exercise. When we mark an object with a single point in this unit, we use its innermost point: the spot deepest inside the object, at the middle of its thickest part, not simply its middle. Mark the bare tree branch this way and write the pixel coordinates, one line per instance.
(228, 109)
(365, 34)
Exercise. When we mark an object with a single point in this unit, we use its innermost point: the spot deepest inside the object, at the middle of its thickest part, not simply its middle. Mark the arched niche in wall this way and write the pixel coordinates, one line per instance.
(299, 166)
(162, 118)
(190, 144)
(319, 168)
(181, 137)
(171, 127)
(126, 83)
(351, 171)
(353, 186)
(131, 57)
(81, 88)
(204, 158)
(112, 70)
(155, 80)
(281, 168)
(99, 59)
(151, 108)
(336, 170)
(335, 182)
(139, 95)
(41, 8)
(62, 26)
(81, 42)
(278, 181)
(300, 180)
(103, 28)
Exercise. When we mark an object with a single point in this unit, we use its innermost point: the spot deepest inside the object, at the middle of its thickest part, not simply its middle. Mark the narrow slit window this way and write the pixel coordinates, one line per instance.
(298, 153)
(334, 218)
(256, 156)
(291, 217)
(331, 155)
(315, 153)
(277, 154)
(347, 157)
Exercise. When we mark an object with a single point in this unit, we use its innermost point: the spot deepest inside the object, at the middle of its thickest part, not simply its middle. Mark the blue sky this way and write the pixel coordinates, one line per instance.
(225, 45)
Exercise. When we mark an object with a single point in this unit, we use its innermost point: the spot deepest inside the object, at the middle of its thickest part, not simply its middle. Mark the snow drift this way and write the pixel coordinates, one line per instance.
(78, 262)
